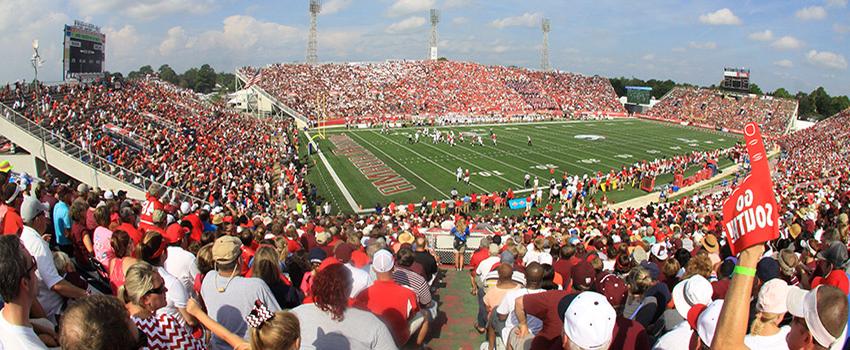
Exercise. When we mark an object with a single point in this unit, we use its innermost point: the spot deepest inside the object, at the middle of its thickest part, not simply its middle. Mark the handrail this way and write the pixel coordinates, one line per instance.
(95, 161)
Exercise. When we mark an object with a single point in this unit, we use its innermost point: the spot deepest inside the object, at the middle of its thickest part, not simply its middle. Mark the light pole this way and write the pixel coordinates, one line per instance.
(37, 62)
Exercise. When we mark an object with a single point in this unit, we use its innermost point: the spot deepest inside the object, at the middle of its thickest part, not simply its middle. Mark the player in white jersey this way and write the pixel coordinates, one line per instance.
(480, 142)
(493, 137)
(529, 141)
(466, 177)
(458, 174)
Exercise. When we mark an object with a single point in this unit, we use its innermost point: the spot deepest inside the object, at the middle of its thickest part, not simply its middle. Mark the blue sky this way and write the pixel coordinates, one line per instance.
(794, 44)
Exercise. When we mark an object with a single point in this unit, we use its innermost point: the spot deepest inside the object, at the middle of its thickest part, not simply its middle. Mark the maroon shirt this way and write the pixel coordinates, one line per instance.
(545, 307)
(629, 335)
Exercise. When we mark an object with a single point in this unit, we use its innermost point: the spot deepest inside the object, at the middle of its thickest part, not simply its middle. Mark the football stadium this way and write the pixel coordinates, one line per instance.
(424, 174)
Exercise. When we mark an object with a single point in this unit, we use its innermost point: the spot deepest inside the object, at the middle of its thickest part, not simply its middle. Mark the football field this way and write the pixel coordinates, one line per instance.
(359, 168)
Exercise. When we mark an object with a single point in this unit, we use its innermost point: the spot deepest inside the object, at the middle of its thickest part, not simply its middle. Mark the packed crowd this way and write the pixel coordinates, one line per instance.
(151, 130)
(404, 89)
(718, 109)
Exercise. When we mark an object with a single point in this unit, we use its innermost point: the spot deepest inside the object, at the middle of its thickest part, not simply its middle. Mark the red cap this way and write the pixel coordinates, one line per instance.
(836, 278)
(174, 233)
(613, 288)
(693, 314)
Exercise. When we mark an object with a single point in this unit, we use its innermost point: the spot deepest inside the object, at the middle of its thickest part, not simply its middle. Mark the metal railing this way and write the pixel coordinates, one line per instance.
(100, 164)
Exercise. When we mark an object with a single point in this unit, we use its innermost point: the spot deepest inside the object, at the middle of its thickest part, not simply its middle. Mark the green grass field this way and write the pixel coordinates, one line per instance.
(404, 172)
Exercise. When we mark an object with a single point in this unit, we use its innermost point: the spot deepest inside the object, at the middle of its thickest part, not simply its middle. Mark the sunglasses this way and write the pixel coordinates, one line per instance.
(160, 290)
(33, 266)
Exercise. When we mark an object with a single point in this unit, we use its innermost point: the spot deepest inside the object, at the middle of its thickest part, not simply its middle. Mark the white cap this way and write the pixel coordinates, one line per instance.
(707, 322)
(692, 291)
(185, 208)
(659, 250)
(589, 321)
(773, 296)
(108, 195)
(803, 303)
(382, 261)
(544, 259)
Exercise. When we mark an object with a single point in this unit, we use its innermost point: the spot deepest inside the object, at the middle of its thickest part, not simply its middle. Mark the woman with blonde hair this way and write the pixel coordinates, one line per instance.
(266, 266)
(268, 331)
(461, 234)
(639, 306)
(765, 332)
(143, 293)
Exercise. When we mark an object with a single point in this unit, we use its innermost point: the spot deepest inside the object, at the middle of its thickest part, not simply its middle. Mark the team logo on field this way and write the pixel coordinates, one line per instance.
(624, 156)
(684, 140)
(590, 137)
(589, 161)
(653, 151)
(675, 147)
(694, 145)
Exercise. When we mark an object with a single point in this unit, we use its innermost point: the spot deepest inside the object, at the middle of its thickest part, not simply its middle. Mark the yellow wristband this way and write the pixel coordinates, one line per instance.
(745, 271)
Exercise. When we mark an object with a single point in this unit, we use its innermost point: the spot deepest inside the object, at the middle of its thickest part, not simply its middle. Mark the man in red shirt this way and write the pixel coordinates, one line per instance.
(128, 218)
(151, 205)
(11, 219)
(393, 303)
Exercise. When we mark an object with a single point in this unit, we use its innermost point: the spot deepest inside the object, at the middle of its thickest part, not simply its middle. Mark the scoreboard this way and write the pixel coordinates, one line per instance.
(736, 79)
(639, 95)
(84, 51)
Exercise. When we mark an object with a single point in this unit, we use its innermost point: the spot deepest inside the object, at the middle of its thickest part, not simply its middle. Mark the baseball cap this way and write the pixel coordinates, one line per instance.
(322, 237)
(836, 278)
(83, 188)
(704, 319)
(30, 208)
(185, 208)
(659, 250)
(583, 275)
(692, 291)
(804, 304)
(772, 297)
(343, 252)
(835, 253)
(382, 261)
(226, 249)
(174, 233)
(588, 320)
(316, 255)
(613, 288)
(767, 269)
(108, 195)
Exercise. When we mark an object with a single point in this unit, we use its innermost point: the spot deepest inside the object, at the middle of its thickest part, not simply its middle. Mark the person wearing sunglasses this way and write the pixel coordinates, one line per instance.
(18, 287)
(143, 294)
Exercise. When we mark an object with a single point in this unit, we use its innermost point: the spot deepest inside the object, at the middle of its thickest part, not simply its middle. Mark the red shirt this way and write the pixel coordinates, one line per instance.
(197, 226)
(629, 335)
(545, 307)
(392, 303)
(478, 257)
(12, 222)
(152, 204)
(134, 233)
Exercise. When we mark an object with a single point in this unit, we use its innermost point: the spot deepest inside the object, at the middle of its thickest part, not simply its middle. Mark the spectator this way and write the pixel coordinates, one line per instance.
(62, 219)
(328, 323)
(99, 322)
(152, 249)
(179, 262)
(19, 290)
(123, 250)
(266, 267)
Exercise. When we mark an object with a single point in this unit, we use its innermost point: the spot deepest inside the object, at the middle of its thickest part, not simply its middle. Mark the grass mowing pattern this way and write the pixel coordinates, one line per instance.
(431, 168)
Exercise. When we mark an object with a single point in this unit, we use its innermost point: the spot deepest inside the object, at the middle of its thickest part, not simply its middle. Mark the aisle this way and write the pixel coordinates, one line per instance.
(453, 327)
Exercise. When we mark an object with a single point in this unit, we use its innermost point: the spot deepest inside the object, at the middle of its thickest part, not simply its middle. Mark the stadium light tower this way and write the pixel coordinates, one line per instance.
(37, 62)
(544, 64)
(312, 42)
(435, 18)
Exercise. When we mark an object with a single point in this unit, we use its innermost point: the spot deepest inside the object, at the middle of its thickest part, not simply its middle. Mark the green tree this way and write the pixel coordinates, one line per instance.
(755, 89)
(168, 74)
(206, 79)
(146, 69)
(188, 78)
(782, 93)
(225, 81)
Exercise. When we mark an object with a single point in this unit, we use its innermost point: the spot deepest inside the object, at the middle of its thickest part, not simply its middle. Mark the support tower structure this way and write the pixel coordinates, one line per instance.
(435, 18)
(312, 41)
(544, 59)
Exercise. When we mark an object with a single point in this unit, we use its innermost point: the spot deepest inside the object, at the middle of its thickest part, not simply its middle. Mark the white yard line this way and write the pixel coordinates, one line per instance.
(460, 159)
(339, 184)
(402, 165)
(340, 128)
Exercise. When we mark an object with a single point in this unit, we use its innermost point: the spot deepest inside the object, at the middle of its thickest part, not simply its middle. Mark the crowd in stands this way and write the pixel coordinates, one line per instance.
(718, 109)
(404, 89)
(149, 129)
(178, 274)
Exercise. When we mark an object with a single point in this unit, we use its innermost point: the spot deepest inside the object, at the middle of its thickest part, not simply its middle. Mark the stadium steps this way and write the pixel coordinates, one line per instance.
(70, 159)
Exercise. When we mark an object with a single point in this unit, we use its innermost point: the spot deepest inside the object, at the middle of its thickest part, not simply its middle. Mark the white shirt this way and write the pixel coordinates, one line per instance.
(18, 337)
(485, 266)
(176, 296)
(677, 338)
(507, 307)
(182, 265)
(776, 341)
(46, 272)
(360, 280)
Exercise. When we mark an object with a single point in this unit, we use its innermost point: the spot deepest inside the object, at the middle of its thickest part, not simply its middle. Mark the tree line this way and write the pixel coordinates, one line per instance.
(815, 105)
(203, 79)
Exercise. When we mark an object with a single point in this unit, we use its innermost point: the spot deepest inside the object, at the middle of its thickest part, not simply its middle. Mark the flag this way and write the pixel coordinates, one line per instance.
(750, 214)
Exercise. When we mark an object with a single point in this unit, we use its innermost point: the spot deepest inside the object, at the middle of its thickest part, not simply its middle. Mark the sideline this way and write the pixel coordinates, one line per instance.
(348, 198)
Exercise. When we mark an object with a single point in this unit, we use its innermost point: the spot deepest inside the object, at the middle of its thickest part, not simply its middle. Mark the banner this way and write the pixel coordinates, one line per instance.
(517, 203)
(750, 214)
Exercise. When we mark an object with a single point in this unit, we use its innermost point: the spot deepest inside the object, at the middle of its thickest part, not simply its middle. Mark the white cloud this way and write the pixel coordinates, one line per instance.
(708, 45)
(784, 63)
(406, 7)
(144, 10)
(840, 28)
(648, 57)
(766, 35)
(460, 20)
(527, 19)
(678, 49)
(334, 6)
(787, 43)
(244, 32)
(811, 13)
(122, 43)
(456, 3)
(836, 3)
(826, 59)
(20, 24)
(339, 41)
(720, 17)
(406, 24)
(175, 39)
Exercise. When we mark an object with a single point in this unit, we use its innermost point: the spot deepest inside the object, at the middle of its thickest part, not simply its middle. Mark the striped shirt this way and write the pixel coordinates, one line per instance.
(414, 281)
